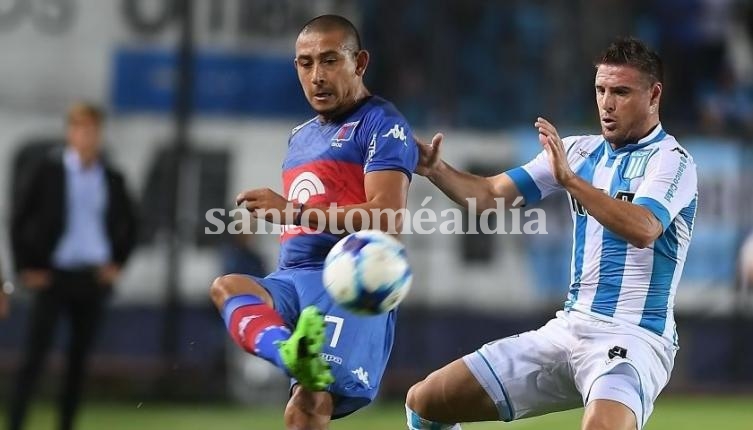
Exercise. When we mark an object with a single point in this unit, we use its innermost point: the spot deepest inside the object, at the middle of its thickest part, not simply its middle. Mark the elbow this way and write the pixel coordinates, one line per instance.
(488, 201)
(490, 197)
(389, 221)
(647, 233)
(643, 239)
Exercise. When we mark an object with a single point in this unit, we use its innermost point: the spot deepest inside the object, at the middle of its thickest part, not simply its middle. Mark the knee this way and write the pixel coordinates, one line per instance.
(417, 402)
(227, 286)
(219, 291)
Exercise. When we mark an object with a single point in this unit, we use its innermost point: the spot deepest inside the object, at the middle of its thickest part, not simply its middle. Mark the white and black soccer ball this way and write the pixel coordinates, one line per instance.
(367, 272)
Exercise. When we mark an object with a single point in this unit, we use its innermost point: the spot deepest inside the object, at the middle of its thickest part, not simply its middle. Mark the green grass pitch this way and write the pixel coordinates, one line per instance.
(696, 413)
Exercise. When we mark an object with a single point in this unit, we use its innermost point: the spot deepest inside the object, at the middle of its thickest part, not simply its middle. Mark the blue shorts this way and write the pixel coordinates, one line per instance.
(357, 347)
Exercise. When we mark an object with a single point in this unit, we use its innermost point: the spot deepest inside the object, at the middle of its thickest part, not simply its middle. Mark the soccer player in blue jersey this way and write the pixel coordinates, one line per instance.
(355, 157)
(611, 349)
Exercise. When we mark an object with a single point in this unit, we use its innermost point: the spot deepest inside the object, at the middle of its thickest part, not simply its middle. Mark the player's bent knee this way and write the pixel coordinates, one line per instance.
(216, 290)
(220, 290)
(415, 401)
(226, 286)
(421, 401)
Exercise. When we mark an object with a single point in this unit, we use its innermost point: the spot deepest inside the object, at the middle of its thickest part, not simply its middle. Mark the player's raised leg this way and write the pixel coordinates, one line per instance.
(255, 326)
(247, 309)
(449, 395)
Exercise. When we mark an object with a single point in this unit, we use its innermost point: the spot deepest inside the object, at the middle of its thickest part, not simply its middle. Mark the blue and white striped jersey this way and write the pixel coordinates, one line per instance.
(610, 277)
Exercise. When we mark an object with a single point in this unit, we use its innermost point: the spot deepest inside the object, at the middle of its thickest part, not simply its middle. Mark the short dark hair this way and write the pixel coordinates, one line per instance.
(630, 51)
(324, 23)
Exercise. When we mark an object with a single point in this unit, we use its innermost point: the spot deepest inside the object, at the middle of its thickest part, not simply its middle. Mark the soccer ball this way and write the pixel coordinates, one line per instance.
(367, 272)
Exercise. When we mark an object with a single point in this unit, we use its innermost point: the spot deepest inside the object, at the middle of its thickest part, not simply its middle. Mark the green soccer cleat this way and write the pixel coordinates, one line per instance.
(300, 353)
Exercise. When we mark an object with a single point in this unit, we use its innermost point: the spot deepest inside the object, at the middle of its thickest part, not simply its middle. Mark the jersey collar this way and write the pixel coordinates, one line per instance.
(656, 135)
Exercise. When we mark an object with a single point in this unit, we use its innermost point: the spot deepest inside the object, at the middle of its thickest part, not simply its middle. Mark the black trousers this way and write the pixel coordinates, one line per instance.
(78, 297)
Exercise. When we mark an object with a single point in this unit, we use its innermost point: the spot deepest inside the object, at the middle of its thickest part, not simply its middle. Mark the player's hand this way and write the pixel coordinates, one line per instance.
(268, 205)
(36, 279)
(555, 149)
(429, 155)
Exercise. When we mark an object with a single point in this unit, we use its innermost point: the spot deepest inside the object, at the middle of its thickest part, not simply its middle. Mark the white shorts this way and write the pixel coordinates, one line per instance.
(554, 368)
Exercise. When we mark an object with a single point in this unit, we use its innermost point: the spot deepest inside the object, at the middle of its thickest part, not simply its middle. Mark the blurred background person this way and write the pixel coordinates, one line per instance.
(73, 228)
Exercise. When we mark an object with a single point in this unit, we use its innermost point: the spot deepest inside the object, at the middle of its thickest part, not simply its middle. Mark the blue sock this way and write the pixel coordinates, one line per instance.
(255, 327)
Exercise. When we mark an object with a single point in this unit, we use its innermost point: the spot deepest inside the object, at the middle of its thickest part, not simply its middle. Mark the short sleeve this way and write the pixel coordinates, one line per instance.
(391, 146)
(535, 179)
(670, 184)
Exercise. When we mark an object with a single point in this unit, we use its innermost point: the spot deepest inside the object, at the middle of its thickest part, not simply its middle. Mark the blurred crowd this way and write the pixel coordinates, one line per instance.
(500, 64)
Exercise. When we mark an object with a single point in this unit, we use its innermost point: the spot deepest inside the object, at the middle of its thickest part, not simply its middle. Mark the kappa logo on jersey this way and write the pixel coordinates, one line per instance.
(344, 134)
(616, 353)
(396, 132)
(330, 358)
(362, 376)
(636, 165)
(678, 149)
(299, 127)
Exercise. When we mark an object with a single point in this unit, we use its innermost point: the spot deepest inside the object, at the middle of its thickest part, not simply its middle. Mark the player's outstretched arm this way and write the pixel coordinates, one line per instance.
(461, 186)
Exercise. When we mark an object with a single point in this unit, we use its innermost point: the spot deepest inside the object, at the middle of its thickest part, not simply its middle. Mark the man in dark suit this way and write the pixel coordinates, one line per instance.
(73, 227)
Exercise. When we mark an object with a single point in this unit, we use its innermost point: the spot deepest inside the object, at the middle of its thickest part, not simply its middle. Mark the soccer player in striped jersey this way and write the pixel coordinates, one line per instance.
(611, 349)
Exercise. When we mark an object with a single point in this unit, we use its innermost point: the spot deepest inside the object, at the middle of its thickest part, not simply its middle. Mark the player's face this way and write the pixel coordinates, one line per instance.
(84, 136)
(627, 101)
(330, 72)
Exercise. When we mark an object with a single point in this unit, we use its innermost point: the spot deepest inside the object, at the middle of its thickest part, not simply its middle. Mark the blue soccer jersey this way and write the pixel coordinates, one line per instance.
(326, 163)
(610, 277)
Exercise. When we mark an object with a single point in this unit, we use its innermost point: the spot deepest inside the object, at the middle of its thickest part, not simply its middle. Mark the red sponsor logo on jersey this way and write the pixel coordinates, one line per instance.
(322, 183)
